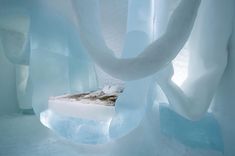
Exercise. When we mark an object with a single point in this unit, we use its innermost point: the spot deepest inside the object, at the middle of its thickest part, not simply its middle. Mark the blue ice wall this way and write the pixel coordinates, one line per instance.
(8, 100)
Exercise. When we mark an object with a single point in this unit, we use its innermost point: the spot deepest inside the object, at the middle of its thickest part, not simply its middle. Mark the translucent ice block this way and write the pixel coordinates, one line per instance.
(204, 134)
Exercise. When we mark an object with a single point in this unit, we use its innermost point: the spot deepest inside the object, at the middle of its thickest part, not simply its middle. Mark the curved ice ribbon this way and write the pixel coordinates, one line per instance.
(153, 58)
(208, 60)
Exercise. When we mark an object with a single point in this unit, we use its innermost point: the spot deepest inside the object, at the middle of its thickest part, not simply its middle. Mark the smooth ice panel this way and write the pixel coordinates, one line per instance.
(82, 72)
(59, 64)
(205, 133)
(49, 32)
(50, 77)
(82, 75)
(8, 100)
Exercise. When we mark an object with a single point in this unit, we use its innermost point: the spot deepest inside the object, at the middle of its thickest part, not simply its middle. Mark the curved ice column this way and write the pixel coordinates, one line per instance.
(14, 33)
(208, 59)
(153, 58)
(24, 87)
(130, 108)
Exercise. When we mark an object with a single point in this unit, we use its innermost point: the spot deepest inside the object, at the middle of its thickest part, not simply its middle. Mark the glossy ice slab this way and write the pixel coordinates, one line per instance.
(97, 105)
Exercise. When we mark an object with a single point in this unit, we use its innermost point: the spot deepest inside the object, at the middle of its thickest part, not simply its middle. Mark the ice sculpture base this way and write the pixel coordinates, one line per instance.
(76, 129)
(83, 109)
(97, 105)
(82, 118)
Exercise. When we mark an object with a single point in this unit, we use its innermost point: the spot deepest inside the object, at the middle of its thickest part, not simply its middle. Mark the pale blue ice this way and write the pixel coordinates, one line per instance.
(51, 48)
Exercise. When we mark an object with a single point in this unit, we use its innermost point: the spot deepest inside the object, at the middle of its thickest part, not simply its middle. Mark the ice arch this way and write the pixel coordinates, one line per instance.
(121, 68)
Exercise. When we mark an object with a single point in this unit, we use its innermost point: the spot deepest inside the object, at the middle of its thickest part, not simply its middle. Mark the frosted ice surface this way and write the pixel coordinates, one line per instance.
(14, 32)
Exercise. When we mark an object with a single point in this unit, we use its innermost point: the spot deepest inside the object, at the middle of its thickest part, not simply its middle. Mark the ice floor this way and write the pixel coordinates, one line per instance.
(23, 135)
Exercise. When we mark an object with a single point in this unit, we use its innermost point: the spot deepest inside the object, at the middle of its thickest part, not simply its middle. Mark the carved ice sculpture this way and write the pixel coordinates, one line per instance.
(129, 111)
(56, 51)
